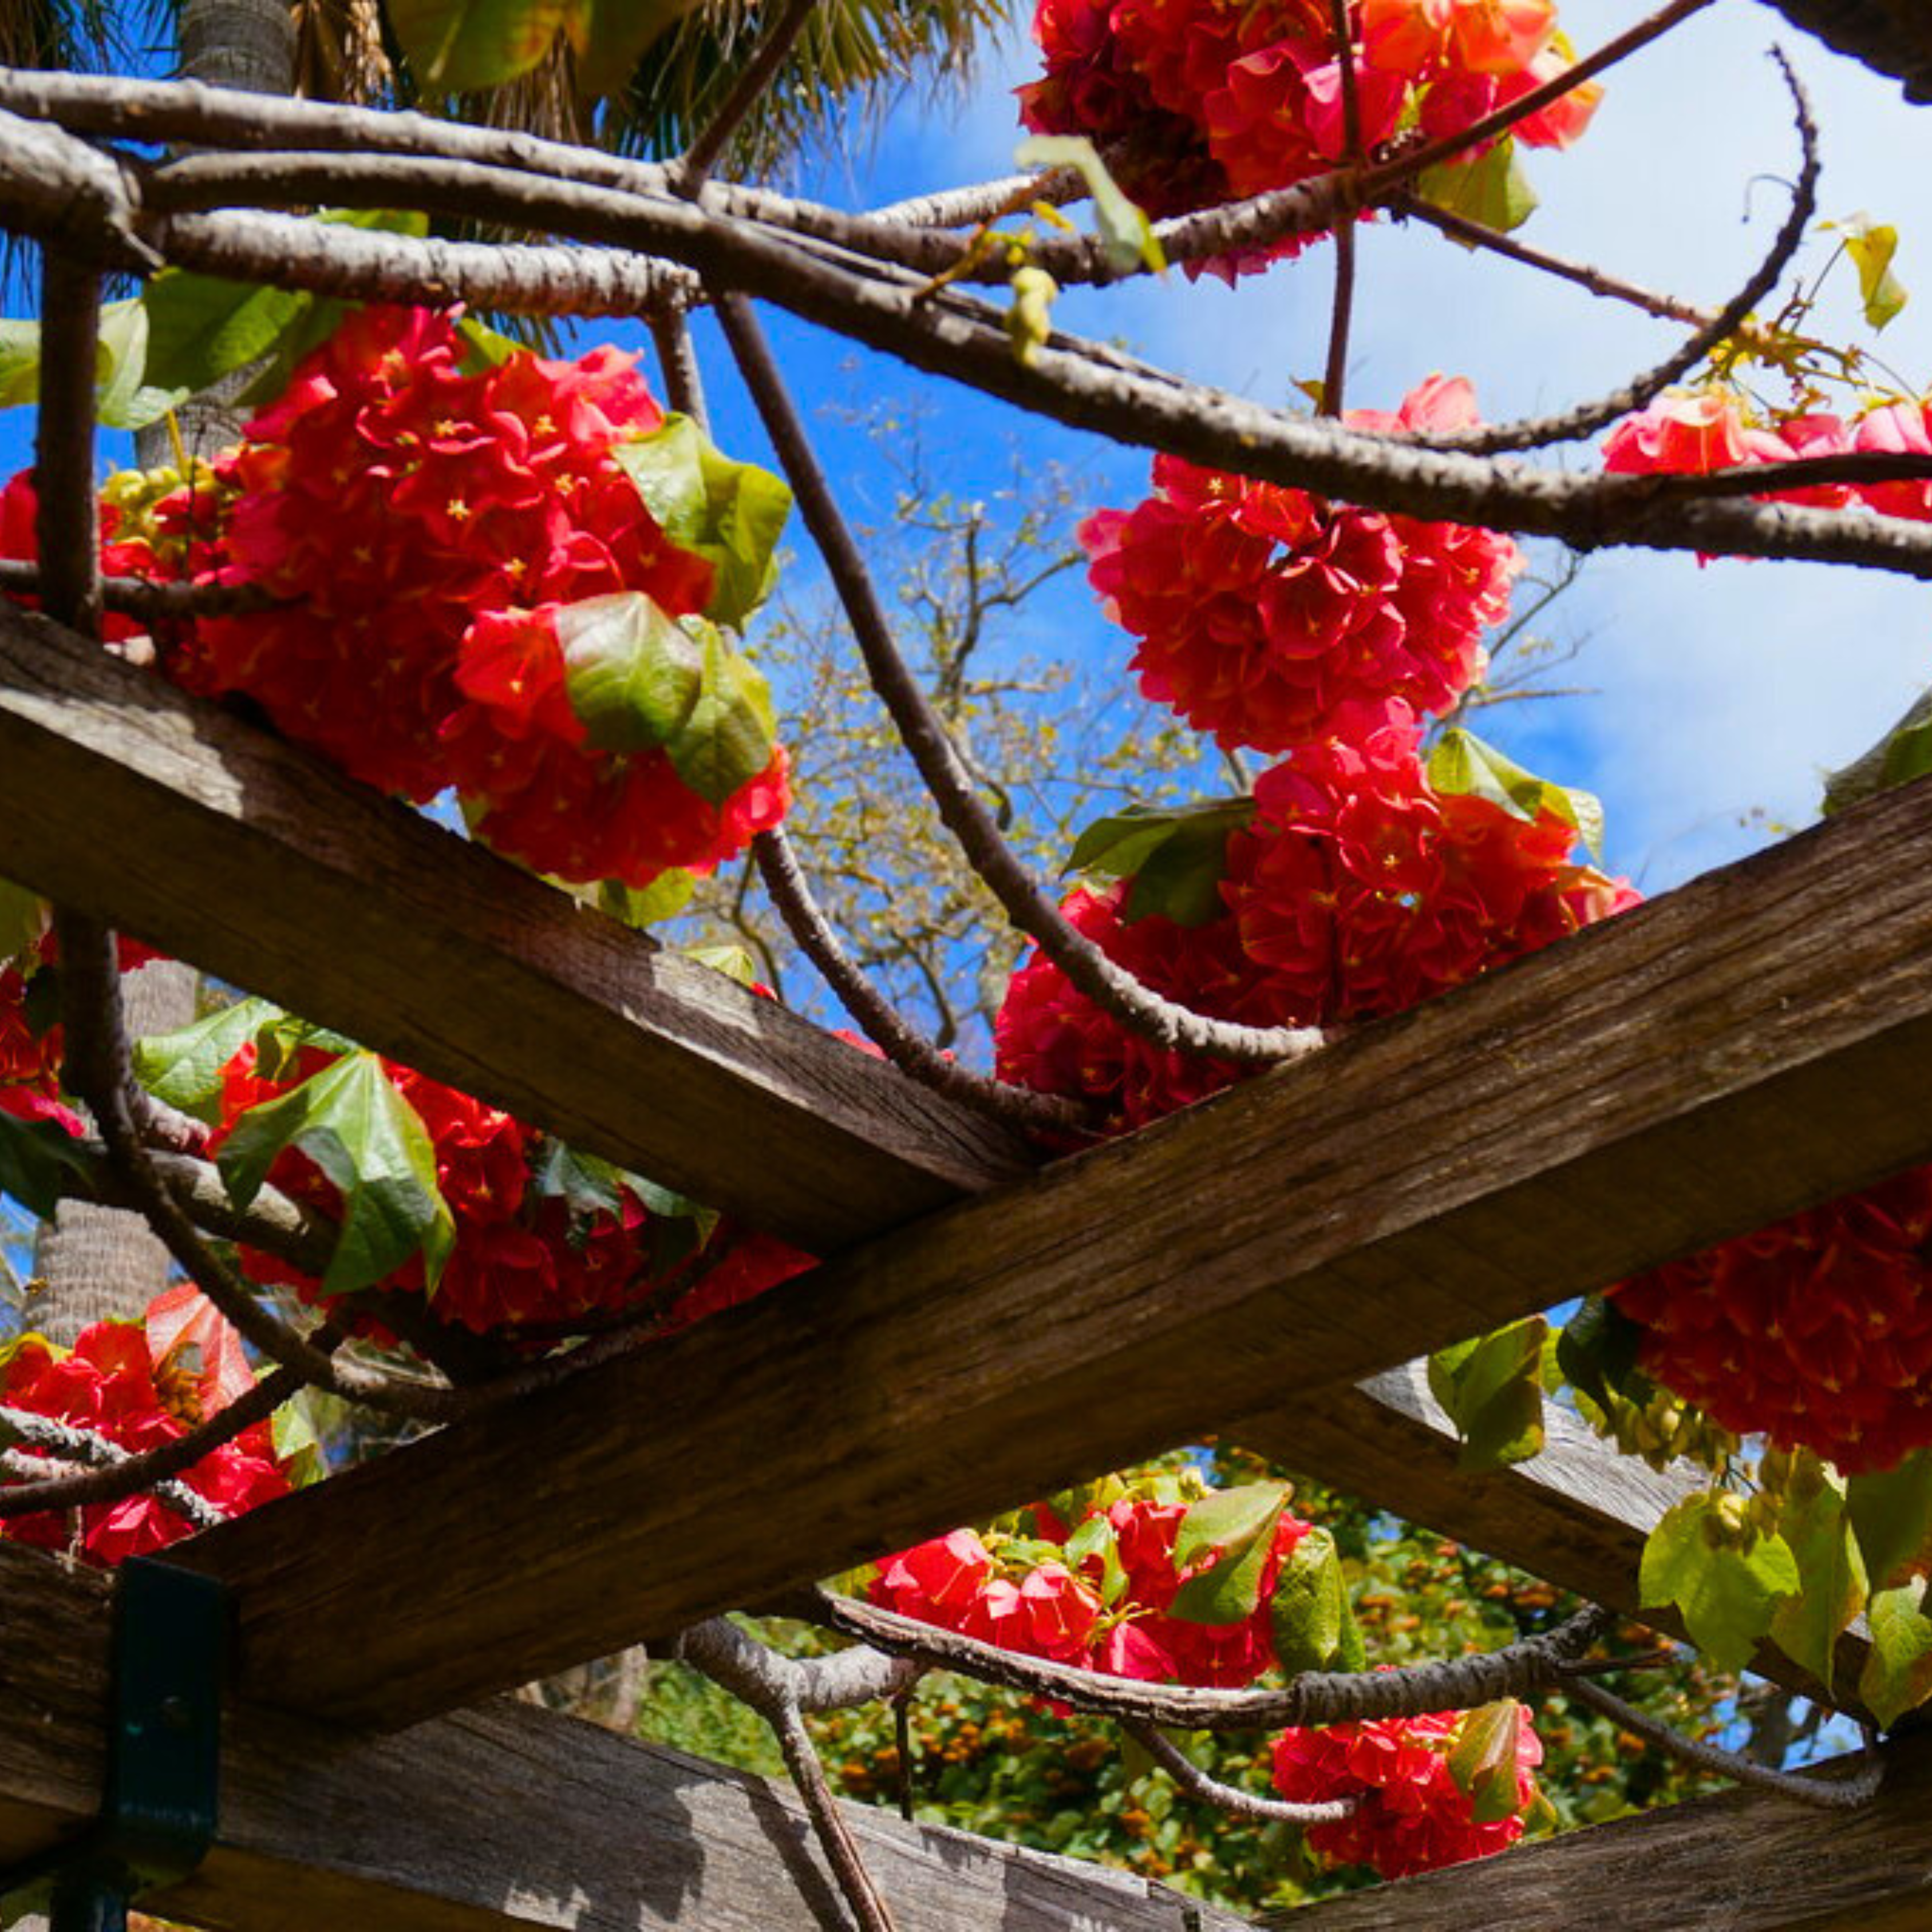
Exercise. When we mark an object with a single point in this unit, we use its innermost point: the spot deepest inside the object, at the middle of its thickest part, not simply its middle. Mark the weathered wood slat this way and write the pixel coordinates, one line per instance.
(501, 1818)
(1756, 1042)
(264, 866)
(1744, 1862)
(1577, 1514)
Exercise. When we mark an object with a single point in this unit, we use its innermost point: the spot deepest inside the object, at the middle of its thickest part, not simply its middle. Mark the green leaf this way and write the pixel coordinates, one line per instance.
(727, 737)
(184, 1067)
(611, 37)
(1310, 1617)
(1597, 1349)
(1897, 1676)
(1492, 189)
(1483, 1760)
(731, 513)
(1492, 1389)
(1904, 753)
(1239, 1525)
(1176, 856)
(371, 1144)
(588, 1183)
(1125, 231)
(665, 897)
(460, 46)
(23, 918)
(1871, 245)
(201, 327)
(34, 1155)
(298, 1442)
(734, 961)
(1890, 1511)
(1096, 1538)
(1462, 764)
(632, 673)
(123, 396)
(1813, 1521)
(1727, 1594)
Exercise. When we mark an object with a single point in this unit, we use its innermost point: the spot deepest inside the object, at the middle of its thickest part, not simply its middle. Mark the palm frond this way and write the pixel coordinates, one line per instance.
(854, 58)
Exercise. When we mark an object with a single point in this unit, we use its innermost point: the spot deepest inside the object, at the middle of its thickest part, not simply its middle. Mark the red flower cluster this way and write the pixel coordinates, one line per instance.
(1197, 102)
(1037, 1605)
(427, 524)
(1262, 611)
(30, 1062)
(1816, 1331)
(1692, 433)
(1412, 1817)
(1357, 891)
(520, 1256)
(137, 1384)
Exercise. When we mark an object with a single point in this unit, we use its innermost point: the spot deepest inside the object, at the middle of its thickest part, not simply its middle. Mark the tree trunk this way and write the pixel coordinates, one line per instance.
(95, 1263)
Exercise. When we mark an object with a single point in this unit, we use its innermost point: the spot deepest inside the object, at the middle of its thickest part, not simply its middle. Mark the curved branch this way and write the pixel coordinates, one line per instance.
(1521, 1669)
(1231, 1798)
(1585, 420)
(1109, 985)
(1845, 1794)
(887, 1028)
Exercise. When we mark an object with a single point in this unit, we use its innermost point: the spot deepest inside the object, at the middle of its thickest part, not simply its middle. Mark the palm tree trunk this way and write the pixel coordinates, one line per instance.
(97, 1264)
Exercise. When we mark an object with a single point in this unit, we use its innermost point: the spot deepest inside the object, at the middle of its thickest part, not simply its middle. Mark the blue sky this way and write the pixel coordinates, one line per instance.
(1721, 689)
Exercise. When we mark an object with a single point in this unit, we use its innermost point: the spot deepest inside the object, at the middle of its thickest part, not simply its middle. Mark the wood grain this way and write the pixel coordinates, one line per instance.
(499, 1818)
(266, 866)
(1758, 1041)
(1577, 1514)
(1745, 1861)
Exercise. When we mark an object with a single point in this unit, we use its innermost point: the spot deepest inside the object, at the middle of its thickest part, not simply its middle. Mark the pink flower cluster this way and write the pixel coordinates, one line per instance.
(1043, 1606)
(1816, 1331)
(1693, 432)
(1262, 611)
(1410, 1815)
(1196, 102)
(1358, 890)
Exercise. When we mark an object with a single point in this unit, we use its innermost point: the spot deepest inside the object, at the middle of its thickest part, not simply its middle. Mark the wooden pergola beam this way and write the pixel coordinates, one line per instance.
(1754, 1042)
(1748, 1860)
(496, 1820)
(126, 799)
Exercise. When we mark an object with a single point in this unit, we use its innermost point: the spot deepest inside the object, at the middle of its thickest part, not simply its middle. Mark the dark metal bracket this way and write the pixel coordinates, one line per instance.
(157, 1817)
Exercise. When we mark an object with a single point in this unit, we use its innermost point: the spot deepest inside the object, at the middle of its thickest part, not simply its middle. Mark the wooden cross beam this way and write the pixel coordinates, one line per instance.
(126, 799)
(497, 1820)
(1752, 1043)
(1718, 1076)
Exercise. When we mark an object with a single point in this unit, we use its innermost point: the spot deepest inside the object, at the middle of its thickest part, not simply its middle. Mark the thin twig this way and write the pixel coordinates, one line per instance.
(1109, 986)
(123, 1474)
(887, 1029)
(1596, 281)
(701, 156)
(677, 360)
(139, 597)
(1845, 1794)
(1231, 1798)
(67, 1443)
(1335, 378)
(1588, 418)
